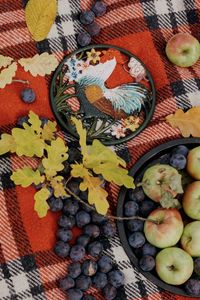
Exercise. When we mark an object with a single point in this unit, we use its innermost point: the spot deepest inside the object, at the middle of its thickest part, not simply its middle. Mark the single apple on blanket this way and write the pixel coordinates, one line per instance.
(191, 200)
(183, 50)
(169, 229)
(190, 239)
(193, 163)
(174, 265)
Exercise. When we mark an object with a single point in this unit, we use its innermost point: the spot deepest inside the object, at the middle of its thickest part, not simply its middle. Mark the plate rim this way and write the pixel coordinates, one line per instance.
(128, 53)
(120, 224)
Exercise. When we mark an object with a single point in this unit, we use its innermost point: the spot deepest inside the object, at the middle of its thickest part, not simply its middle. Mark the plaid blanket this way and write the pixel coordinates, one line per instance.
(29, 269)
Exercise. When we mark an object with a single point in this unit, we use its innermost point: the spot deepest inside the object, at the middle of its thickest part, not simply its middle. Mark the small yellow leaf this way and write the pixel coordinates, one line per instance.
(48, 131)
(42, 64)
(5, 61)
(40, 16)
(35, 122)
(58, 186)
(187, 122)
(56, 155)
(26, 177)
(41, 206)
(7, 143)
(6, 75)
(82, 135)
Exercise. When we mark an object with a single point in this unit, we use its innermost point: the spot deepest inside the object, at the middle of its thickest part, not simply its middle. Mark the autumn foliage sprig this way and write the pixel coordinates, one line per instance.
(42, 142)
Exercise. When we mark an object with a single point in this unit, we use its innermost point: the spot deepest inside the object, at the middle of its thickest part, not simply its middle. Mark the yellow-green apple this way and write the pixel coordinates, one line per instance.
(183, 50)
(191, 200)
(159, 179)
(174, 265)
(167, 232)
(193, 163)
(190, 239)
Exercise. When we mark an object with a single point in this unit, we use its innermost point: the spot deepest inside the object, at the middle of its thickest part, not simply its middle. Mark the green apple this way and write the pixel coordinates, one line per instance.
(190, 239)
(169, 229)
(193, 163)
(183, 50)
(191, 200)
(159, 179)
(174, 265)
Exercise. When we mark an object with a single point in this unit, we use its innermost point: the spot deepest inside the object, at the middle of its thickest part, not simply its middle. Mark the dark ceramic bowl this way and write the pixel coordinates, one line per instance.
(137, 172)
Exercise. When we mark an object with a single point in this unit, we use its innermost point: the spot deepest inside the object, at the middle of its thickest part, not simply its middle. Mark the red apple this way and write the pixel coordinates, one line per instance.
(193, 163)
(183, 50)
(169, 229)
(190, 239)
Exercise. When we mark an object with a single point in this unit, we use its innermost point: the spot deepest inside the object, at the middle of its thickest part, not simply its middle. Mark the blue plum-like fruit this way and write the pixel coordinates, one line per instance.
(77, 253)
(147, 263)
(116, 278)
(74, 269)
(178, 161)
(136, 239)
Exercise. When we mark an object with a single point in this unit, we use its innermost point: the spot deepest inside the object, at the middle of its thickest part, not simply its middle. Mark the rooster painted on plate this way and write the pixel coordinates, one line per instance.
(96, 99)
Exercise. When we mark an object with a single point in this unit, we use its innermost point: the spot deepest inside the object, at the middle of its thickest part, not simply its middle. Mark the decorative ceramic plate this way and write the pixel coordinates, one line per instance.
(108, 88)
(159, 154)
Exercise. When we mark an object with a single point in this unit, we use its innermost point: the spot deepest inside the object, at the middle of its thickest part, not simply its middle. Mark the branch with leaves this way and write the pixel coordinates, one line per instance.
(41, 141)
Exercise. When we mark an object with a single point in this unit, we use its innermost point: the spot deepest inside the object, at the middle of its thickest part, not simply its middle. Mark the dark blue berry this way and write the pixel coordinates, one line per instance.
(83, 283)
(95, 249)
(116, 278)
(136, 240)
(148, 249)
(74, 155)
(97, 218)
(22, 120)
(93, 29)
(82, 218)
(137, 195)
(70, 207)
(131, 208)
(92, 230)
(192, 287)
(100, 280)
(83, 240)
(74, 269)
(178, 161)
(44, 120)
(89, 297)
(62, 249)
(109, 292)
(74, 294)
(66, 170)
(77, 253)
(84, 196)
(135, 225)
(66, 283)
(105, 264)
(73, 186)
(28, 95)
(109, 229)
(83, 39)
(64, 234)
(89, 267)
(99, 8)
(197, 266)
(87, 17)
(181, 150)
(147, 206)
(147, 263)
(55, 204)
(67, 222)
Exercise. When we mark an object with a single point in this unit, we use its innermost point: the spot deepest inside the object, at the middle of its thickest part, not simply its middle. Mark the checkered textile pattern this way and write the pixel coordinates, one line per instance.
(29, 269)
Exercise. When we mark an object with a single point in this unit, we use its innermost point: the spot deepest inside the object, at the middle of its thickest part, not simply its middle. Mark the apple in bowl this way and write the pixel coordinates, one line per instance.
(183, 50)
(190, 239)
(168, 229)
(193, 163)
(174, 265)
(191, 200)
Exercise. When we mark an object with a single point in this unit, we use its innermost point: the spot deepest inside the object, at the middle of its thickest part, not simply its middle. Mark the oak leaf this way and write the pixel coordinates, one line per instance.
(58, 186)
(5, 61)
(41, 206)
(26, 176)
(7, 143)
(40, 16)
(187, 122)
(6, 75)
(48, 131)
(42, 64)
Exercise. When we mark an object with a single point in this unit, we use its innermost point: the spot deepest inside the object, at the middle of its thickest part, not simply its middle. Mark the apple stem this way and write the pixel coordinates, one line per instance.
(21, 81)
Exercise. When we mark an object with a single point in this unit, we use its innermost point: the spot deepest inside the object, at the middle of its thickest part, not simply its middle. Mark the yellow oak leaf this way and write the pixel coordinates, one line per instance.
(41, 206)
(7, 143)
(82, 135)
(42, 64)
(35, 122)
(6, 75)
(187, 122)
(56, 155)
(58, 186)
(96, 194)
(40, 16)
(28, 142)
(26, 176)
(48, 131)
(5, 61)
